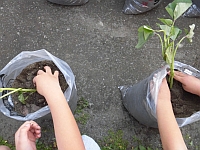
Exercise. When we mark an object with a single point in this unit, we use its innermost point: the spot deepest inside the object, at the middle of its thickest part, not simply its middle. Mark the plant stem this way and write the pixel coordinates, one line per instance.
(161, 43)
(13, 90)
(171, 77)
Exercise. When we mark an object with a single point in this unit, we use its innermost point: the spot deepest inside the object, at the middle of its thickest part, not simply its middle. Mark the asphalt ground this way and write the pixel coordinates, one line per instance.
(98, 42)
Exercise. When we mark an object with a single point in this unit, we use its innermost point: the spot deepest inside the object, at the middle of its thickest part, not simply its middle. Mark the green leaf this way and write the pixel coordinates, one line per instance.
(191, 33)
(147, 32)
(144, 33)
(170, 8)
(170, 11)
(166, 29)
(21, 98)
(175, 33)
(147, 28)
(167, 22)
(180, 9)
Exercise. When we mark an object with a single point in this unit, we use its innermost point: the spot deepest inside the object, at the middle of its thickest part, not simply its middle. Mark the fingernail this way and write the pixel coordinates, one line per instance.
(28, 125)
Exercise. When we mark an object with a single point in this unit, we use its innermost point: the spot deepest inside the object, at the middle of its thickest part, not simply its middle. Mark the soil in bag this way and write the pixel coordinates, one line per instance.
(34, 101)
(184, 103)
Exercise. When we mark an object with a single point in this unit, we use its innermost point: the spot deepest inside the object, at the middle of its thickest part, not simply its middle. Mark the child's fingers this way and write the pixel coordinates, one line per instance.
(47, 69)
(40, 72)
(56, 73)
(178, 75)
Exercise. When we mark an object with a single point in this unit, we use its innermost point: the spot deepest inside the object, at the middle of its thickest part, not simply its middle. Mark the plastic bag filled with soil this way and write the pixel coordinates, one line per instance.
(69, 2)
(20, 71)
(139, 6)
(141, 99)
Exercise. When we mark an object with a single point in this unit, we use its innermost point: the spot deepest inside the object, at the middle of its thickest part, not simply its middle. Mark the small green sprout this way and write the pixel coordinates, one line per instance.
(170, 33)
(20, 91)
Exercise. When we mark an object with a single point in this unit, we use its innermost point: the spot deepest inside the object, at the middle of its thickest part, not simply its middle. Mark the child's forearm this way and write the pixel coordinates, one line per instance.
(170, 133)
(66, 130)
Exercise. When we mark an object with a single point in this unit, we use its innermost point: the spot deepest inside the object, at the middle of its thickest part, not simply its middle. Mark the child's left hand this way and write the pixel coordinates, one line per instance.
(26, 136)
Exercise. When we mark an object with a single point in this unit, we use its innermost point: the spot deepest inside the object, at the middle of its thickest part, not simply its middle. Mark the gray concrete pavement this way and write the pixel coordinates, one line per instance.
(98, 42)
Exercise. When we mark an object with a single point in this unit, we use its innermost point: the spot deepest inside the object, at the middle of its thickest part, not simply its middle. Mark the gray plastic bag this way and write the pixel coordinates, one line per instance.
(141, 99)
(18, 63)
(139, 6)
(69, 2)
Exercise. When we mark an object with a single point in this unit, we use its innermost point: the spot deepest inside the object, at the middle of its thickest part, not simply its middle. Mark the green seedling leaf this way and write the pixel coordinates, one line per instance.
(175, 32)
(170, 11)
(172, 32)
(147, 32)
(166, 29)
(167, 22)
(191, 33)
(170, 8)
(144, 33)
(21, 98)
(147, 28)
(180, 9)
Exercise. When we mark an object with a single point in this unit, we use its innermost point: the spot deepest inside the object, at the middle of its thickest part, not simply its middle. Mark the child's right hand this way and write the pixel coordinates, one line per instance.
(46, 82)
(189, 83)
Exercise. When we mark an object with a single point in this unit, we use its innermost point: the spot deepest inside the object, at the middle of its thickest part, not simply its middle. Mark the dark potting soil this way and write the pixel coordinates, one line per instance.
(184, 103)
(25, 80)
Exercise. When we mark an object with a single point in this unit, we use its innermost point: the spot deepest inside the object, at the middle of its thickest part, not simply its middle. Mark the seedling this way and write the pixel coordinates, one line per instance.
(20, 91)
(170, 33)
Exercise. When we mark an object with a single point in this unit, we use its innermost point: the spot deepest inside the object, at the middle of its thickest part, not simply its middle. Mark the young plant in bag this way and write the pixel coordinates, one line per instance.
(20, 91)
(170, 33)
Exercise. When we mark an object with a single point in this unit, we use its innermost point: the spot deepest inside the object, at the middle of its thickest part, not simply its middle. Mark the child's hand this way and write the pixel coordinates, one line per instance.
(26, 136)
(164, 92)
(189, 83)
(46, 82)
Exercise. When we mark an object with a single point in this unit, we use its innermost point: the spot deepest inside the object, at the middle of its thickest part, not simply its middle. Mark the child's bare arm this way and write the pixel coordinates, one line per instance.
(170, 133)
(68, 136)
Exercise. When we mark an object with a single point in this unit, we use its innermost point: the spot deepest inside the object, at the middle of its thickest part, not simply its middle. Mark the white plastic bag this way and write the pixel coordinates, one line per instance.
(25, 58)
(141, 99)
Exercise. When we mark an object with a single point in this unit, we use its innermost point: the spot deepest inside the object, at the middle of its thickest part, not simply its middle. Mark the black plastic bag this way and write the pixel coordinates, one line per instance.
(69, 2)
(139, 6)
(194, 10)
